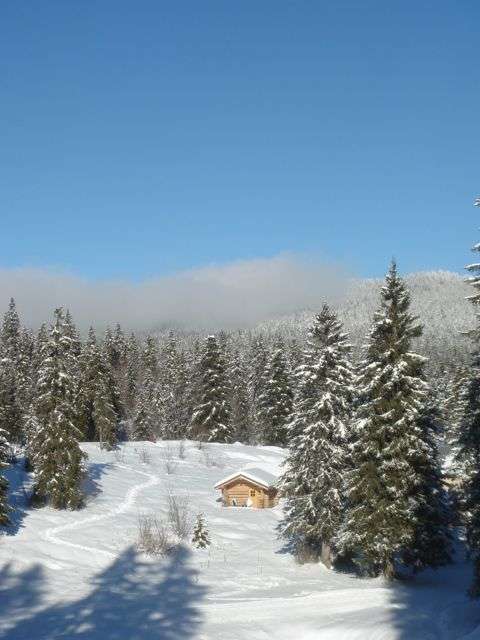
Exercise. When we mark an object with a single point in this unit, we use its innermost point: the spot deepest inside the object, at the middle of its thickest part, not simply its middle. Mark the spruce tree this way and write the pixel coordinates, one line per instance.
(318, 456)
(200, 538)
(4, 453)
(131, 375)
(150, 357)
(11, 411)
(390, 454)
(257, 358)
(211, 418)
(468, 454)
(276, 400)
(57, 457)
(431, 545)
(97, 395)
(239, 400)
(173, 390)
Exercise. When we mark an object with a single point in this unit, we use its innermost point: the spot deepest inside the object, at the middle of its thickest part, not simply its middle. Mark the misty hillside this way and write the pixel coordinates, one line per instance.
(438, 298)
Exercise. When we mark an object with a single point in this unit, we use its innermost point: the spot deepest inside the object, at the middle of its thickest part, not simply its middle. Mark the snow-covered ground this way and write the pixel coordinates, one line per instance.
(78, 575)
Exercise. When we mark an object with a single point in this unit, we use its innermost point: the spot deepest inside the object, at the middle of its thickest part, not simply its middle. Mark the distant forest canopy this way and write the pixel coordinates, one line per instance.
(439, 299)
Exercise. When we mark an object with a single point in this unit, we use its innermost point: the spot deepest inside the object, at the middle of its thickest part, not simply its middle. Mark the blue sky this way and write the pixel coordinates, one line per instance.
(143, 138)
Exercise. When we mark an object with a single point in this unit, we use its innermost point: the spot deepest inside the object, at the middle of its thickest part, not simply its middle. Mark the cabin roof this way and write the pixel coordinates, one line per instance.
(258, 476)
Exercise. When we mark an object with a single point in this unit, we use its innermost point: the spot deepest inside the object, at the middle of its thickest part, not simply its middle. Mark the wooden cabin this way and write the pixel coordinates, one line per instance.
(249, 488)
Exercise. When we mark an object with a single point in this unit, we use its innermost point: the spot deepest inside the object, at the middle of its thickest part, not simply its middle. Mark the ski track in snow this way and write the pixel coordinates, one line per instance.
(51, 535)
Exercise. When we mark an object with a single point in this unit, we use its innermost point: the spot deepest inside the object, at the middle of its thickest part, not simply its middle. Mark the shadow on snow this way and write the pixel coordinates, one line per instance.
(133, 598)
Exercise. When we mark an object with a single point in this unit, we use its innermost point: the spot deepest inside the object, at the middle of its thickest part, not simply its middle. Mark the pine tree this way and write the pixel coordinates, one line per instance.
(318, 456)
(11, 411)
(57, 457)
(200, 539)
(468, 454)
(385, 484)
(150, 356)
(173, 391)
(257, 359)
(211, 418)
(142, 421)
(239, 401)
(97, 395)
(276, 400)
(431, 545)
(131, 374)
(4, 453)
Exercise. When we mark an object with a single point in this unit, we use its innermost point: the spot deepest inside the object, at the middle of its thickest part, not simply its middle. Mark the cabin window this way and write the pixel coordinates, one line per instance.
(252, 493)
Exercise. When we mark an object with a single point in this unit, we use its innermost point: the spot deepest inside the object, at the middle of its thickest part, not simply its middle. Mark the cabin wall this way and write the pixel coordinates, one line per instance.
(239, 493)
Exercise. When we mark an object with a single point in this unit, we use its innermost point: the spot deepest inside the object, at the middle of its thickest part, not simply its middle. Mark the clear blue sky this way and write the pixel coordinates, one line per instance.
(140, 138)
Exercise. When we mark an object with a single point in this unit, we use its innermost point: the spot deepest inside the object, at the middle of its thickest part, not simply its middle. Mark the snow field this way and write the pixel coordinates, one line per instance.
(77, 574)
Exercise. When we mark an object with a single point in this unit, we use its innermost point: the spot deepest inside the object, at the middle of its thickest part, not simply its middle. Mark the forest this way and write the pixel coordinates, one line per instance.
(375, 395)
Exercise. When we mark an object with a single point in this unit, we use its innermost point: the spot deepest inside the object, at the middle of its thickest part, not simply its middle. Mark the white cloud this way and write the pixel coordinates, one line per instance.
(234, 295)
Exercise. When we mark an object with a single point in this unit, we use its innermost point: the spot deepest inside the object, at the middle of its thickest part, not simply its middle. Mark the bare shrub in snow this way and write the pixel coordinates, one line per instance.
(212, 459)
(181, 452)
(144, 456)
(169, 462)
(119, 455)
(152, 537)
(180, 516)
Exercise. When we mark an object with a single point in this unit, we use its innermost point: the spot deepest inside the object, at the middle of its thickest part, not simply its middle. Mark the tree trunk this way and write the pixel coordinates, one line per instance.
(326, 555)
(389, 569)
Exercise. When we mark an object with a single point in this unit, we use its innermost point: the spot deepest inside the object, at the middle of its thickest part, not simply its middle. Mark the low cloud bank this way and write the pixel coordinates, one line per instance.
(236, 295)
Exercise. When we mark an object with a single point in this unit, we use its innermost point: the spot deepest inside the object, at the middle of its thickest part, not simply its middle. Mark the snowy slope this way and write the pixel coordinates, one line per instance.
(77, 574)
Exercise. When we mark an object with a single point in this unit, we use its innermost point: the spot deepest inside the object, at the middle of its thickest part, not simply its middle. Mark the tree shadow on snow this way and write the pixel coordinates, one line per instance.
(433, 605)
(132, 599)
(91, 485)
(18, 496)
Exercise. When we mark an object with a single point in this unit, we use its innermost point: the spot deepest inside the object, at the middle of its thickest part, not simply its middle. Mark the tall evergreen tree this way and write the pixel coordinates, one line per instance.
(57, 454)
(431, 545)
(257, 358)
(386, 487)
(211, 418)
(276, 400)
(239, 400)
(173, 390)
(318, 457)
(4, 506)
(98, 395)
(11, 411)
(468, 454)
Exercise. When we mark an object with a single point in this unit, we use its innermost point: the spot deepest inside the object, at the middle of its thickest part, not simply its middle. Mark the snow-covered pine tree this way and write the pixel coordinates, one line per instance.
(173, 390)
(11, 416)
(431, 546)
(384, 485)
(455, 411)
(72, 333)
(468, 453)
(211, 418)
(143, 423)
(318, 456)
(239, 400)
(10, 334)
(150, 357)
(276, 399)
(131, 374)
(200, 538)
(257, 359)
(4, 506)
(57, 457)
(11, 411)
(97, 395)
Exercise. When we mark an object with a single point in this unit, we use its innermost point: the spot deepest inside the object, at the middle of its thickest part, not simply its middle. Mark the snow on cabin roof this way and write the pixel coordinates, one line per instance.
(259, 476)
